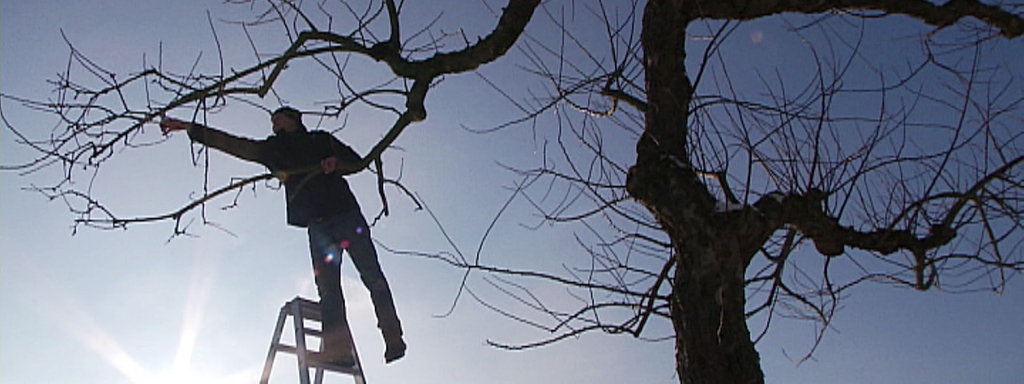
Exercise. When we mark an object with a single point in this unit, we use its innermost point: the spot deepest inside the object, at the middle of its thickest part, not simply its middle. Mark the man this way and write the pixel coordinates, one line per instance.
(322, 203)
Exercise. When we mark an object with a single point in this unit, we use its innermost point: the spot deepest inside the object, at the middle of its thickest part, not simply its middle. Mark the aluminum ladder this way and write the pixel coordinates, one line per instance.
(300, 310)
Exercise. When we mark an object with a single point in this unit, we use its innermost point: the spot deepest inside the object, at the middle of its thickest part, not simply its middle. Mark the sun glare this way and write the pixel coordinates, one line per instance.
(79, 324)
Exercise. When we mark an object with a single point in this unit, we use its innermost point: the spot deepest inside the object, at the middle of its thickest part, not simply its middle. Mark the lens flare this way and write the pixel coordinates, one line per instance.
(360, 230)
(330, 257)
(345, 244)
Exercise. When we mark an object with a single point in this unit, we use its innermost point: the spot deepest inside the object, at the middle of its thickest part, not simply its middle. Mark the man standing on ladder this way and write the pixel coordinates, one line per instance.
(318, 199)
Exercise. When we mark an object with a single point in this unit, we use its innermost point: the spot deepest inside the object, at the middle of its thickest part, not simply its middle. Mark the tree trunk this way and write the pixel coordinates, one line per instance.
(712, 340)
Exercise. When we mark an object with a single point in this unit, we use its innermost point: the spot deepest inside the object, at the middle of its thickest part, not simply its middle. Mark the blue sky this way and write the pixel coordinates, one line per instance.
(132, 307)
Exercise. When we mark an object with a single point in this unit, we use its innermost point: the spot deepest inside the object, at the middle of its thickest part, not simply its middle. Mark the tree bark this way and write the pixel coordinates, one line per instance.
(713, 343)
(712, 340)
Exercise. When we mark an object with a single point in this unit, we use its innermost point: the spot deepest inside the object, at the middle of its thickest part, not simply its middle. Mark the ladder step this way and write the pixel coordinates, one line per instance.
(316, 362)
(313, 332)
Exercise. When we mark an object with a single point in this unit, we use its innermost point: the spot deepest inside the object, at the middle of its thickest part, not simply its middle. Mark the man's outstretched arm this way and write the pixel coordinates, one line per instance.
(240, 147)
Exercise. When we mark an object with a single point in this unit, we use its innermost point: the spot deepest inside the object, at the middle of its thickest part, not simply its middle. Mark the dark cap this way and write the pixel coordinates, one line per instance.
(292, 113)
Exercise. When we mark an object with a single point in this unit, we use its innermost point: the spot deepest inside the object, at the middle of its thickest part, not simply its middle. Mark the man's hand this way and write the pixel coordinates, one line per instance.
(329, 164)
(170, 124)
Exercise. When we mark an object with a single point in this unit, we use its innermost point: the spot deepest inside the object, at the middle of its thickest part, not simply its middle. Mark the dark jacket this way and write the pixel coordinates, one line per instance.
(311, 195)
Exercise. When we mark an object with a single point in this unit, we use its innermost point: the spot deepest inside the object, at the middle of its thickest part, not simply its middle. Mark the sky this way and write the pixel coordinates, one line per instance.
(136, 306)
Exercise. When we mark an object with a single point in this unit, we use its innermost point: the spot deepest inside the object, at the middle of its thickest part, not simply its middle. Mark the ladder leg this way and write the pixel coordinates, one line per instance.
(298, 320)
(319, 377)
(274, 342)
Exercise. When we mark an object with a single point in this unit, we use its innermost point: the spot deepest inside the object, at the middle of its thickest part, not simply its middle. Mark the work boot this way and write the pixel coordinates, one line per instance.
(395, 348)
(343, 360)
(337, 349)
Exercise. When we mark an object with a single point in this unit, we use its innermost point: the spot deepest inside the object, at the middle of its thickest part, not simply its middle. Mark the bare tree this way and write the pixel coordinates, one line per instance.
(701, 226)
(102, 113)
(746, 201)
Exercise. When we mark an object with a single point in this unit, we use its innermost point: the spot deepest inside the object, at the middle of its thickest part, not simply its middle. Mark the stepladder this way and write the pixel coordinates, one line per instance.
(306, 320)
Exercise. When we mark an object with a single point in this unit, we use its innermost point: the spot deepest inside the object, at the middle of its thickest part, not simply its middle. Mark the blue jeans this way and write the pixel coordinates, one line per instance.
(328, 238)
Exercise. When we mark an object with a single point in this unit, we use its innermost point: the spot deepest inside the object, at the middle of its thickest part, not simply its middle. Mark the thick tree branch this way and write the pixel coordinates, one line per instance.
(1011, 25)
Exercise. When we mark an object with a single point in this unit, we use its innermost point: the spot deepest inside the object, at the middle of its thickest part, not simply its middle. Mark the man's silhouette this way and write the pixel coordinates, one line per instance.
(318, 199)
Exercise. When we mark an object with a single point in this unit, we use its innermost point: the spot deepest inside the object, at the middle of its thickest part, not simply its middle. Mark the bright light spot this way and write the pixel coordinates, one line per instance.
(756, 36)
(330, 257)
(345, 244)
(360, 230)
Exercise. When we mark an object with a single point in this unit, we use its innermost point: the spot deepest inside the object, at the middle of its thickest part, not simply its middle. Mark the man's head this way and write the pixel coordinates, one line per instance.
(287, 120)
